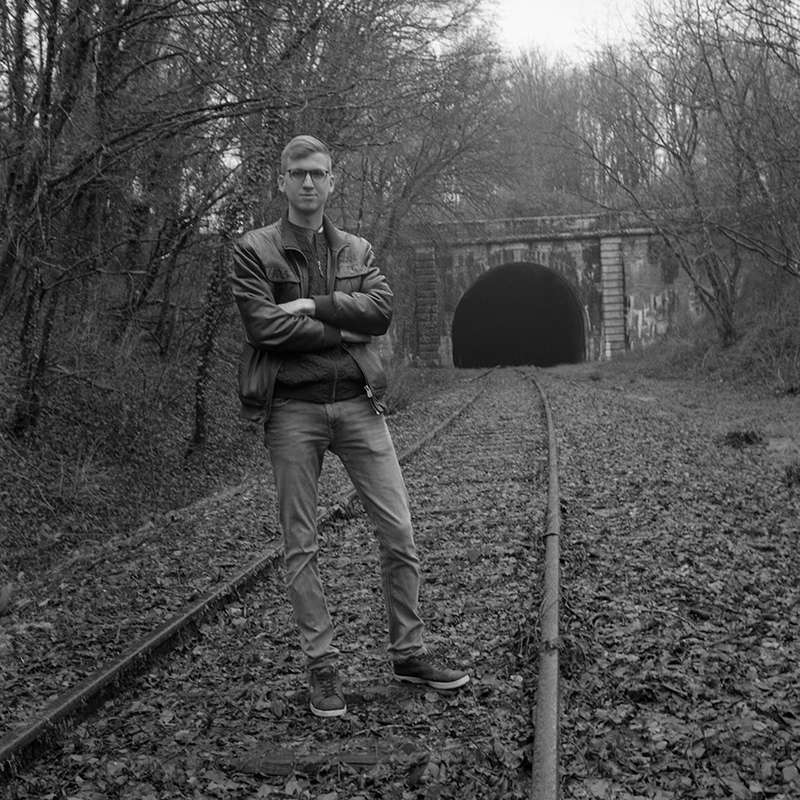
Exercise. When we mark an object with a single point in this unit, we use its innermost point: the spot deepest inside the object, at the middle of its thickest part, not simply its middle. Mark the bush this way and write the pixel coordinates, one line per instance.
(110, 447)
(766, 355)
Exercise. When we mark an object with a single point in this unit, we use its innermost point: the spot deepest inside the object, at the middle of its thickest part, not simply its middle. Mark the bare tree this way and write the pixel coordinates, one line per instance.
(752, 57)
(103, 102)
(544, 176)
(130, 129)
(678, 125)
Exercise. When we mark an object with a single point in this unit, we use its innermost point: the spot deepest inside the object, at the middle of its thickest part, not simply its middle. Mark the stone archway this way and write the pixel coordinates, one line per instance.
(518, 313)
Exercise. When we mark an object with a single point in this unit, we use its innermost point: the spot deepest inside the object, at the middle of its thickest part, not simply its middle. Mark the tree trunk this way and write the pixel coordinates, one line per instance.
(35, 347)
(215, 302)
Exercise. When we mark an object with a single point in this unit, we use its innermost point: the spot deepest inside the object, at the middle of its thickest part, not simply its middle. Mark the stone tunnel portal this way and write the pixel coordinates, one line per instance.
(517, 314)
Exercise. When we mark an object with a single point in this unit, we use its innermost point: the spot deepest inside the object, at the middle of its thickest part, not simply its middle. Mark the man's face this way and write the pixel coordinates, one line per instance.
(307, 182)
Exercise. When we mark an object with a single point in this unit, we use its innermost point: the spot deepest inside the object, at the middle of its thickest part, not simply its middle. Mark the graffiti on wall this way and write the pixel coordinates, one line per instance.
(649, 317)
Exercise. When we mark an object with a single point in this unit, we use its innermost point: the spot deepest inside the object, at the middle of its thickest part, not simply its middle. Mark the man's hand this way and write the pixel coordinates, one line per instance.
(354, 338)
(302, 306)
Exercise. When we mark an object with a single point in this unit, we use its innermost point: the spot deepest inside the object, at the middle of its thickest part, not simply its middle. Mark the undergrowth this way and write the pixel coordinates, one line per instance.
(104, 457)
(765, 356)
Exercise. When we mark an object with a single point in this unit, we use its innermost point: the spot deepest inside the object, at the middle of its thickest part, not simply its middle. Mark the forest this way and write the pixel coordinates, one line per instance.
(139, 137)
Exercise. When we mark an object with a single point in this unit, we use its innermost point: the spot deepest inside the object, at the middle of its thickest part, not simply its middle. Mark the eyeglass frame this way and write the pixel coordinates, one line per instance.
(294, 175)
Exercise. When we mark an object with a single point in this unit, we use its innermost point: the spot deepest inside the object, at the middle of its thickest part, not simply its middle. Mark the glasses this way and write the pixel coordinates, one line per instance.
(299, 175)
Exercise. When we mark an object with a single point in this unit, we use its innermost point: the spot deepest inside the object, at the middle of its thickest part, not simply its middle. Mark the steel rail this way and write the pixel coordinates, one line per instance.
(24, 742)
(546, 745)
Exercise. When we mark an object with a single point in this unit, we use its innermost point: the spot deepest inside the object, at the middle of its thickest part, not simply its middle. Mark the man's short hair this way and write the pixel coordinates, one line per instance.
(302, 146)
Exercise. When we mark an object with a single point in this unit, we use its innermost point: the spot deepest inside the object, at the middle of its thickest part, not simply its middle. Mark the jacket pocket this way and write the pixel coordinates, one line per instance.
(254, 376)
(349, 274)
(284, 282)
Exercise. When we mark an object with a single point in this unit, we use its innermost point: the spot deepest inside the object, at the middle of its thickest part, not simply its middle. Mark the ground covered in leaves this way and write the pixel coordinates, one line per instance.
(681, 543)
(680, 659)
(68, 616)
(228, 716)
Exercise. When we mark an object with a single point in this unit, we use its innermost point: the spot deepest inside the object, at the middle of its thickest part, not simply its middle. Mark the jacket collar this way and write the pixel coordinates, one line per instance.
(336, 238)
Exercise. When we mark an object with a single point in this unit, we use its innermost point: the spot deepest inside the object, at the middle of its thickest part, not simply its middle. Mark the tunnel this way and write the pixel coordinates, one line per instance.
(517, 314)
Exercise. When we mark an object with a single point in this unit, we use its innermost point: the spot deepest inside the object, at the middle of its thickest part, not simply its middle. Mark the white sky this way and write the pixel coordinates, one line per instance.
(567, 26)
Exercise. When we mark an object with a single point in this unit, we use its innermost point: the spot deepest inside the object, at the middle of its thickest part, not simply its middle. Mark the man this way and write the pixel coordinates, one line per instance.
(312, 301)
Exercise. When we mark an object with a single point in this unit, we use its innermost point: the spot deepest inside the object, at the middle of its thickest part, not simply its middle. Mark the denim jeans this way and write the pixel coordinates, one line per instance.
(297, 436)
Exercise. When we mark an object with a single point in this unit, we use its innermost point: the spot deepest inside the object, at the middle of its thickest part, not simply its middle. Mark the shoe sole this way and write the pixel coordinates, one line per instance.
(322, 712)
(434, 684)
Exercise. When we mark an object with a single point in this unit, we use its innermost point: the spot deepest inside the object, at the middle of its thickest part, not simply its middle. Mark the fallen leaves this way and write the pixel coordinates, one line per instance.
(680, 580)
(240, 688)
(679, 649)
(6, 596)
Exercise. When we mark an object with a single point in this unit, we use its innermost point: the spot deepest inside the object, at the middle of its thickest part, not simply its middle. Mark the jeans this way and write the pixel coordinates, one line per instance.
(297, 436)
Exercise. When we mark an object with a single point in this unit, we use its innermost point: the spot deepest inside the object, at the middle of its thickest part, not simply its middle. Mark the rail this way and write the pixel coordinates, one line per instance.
(545, 772)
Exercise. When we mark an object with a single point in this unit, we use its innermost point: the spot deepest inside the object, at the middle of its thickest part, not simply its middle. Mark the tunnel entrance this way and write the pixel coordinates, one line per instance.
(518, 314)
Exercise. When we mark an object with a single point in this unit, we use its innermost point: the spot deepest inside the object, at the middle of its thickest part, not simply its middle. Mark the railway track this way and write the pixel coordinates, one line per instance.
(226, 714)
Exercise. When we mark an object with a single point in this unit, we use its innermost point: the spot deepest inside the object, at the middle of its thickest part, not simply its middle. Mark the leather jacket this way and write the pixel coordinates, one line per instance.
(270, 268)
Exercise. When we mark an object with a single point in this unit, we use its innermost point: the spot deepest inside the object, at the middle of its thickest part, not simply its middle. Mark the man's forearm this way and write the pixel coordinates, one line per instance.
(306, 306)
(367, 312)
(302, 306)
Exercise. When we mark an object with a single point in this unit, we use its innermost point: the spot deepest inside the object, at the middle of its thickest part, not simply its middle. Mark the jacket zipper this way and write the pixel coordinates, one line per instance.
(333, 260)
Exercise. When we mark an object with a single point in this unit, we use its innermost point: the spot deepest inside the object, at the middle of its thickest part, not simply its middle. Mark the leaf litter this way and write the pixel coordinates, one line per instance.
(228, 716)
(679, 651)
(681, 597)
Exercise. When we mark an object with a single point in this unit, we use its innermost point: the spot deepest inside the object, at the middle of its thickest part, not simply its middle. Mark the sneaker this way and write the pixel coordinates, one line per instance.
(424, 669)
(327, 697)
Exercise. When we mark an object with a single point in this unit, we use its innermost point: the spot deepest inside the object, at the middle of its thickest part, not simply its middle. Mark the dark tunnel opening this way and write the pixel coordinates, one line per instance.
(518, 314)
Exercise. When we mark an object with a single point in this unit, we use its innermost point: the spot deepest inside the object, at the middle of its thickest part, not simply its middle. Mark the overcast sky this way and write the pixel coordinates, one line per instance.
(567, 26)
